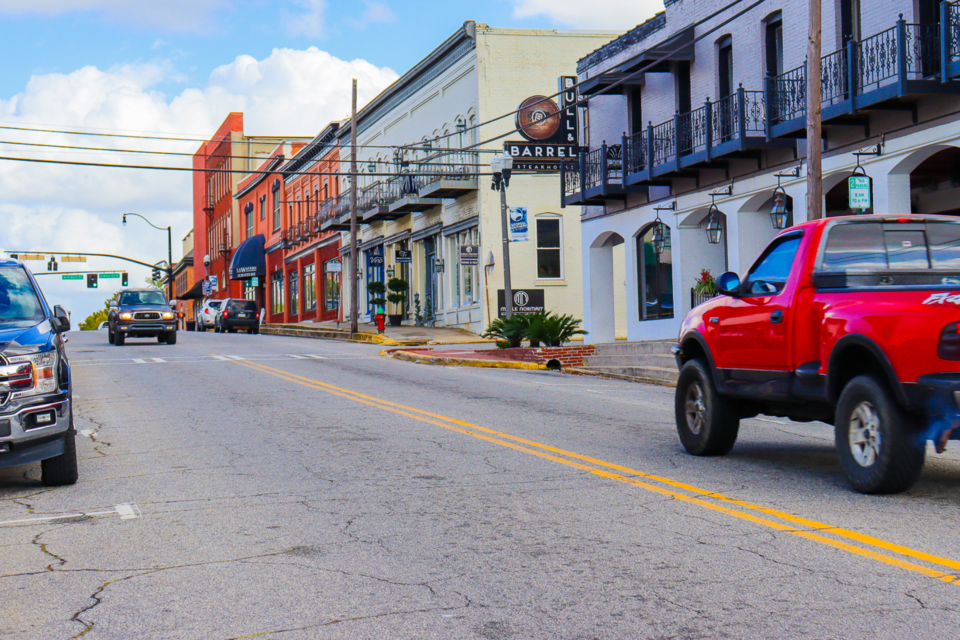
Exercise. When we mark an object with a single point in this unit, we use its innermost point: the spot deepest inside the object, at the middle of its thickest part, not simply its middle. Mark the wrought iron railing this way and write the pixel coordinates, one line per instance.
(454, 165)
(592, 175)
(692, 131)
(369, 197)
(953, 31)
(877, 60)
(921, 43)
(328, 209)
(635, 152)
(700, 298)
(570, 174)
(662, 139)
(833, 77)
(788, 93)
(724, 119)
(343, 204)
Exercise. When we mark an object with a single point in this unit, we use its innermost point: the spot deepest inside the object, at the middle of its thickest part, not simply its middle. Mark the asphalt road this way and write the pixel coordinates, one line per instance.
(237, 486)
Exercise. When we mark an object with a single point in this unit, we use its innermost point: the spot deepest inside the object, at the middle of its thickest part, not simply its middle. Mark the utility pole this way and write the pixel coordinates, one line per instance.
(354, 262)
(814, 125)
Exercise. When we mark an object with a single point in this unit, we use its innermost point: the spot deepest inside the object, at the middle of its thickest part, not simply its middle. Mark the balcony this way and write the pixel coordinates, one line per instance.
(330, 215)
(451, 175)
(401, 196)
(595, 176)
(886, 71)
(371, 204)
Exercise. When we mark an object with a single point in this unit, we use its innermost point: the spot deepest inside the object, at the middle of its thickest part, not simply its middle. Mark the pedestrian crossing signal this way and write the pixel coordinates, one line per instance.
(91, 281)
(124, 281)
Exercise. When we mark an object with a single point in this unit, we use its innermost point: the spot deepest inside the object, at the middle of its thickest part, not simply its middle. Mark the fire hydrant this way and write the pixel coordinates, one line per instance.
(380, 318)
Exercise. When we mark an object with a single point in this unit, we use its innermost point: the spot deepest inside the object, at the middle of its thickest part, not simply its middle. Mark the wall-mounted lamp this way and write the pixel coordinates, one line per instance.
(780, 213)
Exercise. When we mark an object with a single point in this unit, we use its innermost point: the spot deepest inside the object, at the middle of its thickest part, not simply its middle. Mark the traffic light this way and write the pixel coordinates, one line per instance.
(91, 281)
(124, 281)
(156, 274)
(52, 264)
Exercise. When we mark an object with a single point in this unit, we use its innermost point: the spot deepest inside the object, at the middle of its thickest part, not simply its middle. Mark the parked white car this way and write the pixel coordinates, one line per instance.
(207, 316)
(103, 325)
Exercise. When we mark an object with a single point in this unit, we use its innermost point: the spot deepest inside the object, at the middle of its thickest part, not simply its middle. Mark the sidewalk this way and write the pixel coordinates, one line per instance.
(491, 357)
(402, 335)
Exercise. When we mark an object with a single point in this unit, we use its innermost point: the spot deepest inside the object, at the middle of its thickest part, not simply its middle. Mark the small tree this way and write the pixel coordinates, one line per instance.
(509, 332)
(553, 330)
(398, 292)
(376, 289)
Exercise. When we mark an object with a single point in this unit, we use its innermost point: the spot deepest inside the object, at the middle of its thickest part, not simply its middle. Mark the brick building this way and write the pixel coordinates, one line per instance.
(683, 106)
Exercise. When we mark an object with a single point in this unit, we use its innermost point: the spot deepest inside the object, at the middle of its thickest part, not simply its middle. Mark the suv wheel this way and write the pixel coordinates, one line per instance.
(879, 444)
(109, 335)
(706, 423)
(172, 338)
(118, 339)
(162, 338)
(62, 469)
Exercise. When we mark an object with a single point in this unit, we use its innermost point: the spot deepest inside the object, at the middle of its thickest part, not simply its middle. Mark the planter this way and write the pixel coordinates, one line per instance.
(395, 319)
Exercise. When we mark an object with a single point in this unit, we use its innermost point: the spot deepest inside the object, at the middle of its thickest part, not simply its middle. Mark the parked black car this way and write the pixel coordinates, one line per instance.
(141, 313)
(36, 396)
(237, 313)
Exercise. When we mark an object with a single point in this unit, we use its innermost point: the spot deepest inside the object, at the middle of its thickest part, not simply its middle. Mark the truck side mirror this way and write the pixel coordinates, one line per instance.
(62, 318)
(728, 284)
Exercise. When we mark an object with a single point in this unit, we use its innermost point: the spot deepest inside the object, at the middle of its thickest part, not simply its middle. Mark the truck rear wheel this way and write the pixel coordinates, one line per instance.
(706, 423)
(878, 443)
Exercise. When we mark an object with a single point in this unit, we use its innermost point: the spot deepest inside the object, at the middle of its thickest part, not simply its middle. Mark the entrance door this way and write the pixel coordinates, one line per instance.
(430, 277)
(374, 273)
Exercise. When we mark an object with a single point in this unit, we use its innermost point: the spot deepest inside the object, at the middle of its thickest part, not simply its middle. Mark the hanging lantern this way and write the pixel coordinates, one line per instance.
(779, 214)
(658, 237)
(714, 229)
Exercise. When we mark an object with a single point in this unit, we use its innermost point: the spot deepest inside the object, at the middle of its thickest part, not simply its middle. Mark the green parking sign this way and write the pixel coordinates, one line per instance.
(860, 190)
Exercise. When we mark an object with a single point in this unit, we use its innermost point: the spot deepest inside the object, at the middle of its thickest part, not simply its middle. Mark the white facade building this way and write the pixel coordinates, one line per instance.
(432, 202)
(720, 108)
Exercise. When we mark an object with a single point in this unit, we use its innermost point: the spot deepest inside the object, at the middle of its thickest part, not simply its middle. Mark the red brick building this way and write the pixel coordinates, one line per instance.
(221, 163)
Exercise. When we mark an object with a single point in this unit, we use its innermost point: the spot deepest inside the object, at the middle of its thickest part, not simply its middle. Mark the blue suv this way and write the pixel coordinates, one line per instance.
(36, 412)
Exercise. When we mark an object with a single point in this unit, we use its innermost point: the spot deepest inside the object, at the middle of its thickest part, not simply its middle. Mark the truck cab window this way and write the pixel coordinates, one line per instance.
(769, 276)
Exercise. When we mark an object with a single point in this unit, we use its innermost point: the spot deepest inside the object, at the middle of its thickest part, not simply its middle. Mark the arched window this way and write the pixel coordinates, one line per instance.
(654, 275)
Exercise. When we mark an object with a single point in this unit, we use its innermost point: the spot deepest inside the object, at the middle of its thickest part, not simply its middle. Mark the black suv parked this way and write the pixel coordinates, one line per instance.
(141, 313)
(237, 313)
(36, 413)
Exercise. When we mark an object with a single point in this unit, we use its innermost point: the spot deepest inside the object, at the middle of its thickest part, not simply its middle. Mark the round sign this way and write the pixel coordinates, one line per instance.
(538, 118)
(520, 299)
(517, 214)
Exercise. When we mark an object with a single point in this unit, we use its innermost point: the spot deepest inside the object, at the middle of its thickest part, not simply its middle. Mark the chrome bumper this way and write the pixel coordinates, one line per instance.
(32, 432)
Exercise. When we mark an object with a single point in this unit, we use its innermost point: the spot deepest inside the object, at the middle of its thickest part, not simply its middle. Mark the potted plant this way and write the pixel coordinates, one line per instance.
(376, 289)
(398, 295)
(706, 284)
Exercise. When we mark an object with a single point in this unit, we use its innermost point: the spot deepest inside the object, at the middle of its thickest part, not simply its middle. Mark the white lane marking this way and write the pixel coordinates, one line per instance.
(297, 357)
(158, 359)
(220, 358)
(769, 420)
(316, 357)
(87, 432)
(140, 361)
(236, 357)
(128, 511)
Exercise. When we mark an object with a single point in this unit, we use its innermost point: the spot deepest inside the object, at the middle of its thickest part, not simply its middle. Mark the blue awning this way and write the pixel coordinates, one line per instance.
(249, 259)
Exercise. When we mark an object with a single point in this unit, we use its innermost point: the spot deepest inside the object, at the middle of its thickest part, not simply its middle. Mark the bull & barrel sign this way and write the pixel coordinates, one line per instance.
(551, 131)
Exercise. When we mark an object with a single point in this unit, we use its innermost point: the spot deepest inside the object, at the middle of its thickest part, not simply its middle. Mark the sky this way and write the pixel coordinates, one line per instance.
(176, 68)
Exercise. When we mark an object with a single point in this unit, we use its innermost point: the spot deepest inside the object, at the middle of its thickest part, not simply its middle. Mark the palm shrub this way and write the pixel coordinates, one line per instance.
(376, 289)
(508, 332)
(553, 329)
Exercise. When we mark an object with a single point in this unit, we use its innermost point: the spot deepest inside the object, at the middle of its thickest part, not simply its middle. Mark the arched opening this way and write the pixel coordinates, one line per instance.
(607, 318)
(935, 184)
(700, 254)
(654, 274)
(755, 228)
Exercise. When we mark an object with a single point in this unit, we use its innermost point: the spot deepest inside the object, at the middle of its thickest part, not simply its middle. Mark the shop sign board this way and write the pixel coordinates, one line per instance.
(403, 256)
(469, 255)
(254, 281)
(524, 301)
(334, 266)
(550, 130)
(206, 288)
(213, 281)
(860, 189)
(518, 224)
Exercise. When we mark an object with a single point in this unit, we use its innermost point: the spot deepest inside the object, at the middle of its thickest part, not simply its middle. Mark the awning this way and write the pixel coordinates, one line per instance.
(678, 47)
(604, 80)
(195, 293)
(249, 259)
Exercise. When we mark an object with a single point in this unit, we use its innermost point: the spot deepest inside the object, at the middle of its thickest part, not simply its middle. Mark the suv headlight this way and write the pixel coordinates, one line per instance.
(44, 372)
(168, 315)
(126, 315)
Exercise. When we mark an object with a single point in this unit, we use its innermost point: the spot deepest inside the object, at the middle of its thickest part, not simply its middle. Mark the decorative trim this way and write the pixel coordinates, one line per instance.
(276, 185)
(397, 237)
(463, 225)
(248, 208)
(369, 244)
(426, 233)
(627, 40)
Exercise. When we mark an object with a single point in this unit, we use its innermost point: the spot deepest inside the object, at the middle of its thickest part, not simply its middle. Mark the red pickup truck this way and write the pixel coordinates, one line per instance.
(854, 321)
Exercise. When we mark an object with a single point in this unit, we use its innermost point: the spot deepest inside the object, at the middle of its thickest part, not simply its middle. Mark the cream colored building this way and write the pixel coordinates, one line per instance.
(430, 201)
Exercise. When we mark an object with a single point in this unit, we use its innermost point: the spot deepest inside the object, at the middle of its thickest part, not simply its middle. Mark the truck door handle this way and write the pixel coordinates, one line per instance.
(776, 317)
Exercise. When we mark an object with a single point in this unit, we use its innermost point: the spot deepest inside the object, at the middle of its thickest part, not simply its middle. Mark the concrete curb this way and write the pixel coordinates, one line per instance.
(294, 331)
(577, 371)
(460, 362)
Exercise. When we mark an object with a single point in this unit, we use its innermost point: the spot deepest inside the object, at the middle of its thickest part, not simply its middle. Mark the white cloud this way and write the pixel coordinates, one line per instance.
(171, 15)
(71, 208)
(311, 22)
(375, 12)
(616, 15)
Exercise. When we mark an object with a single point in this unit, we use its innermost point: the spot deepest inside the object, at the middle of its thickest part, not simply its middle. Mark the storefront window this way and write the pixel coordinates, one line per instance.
(655, 276)
(309, 288)
(331, 286)
(294, 293)
(277, 292)
(549, 252)
(276, 210)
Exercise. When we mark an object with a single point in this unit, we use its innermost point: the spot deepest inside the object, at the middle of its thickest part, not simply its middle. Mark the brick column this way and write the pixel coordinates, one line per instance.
(317, 283)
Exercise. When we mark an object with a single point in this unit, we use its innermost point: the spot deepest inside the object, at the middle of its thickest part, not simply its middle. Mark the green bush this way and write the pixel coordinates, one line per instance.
(509, 332)
(553, 330)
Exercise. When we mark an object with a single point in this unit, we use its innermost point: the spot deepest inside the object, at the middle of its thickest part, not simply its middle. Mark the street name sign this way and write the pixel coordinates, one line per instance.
(109, 275)
(860, 189)
(72, 276)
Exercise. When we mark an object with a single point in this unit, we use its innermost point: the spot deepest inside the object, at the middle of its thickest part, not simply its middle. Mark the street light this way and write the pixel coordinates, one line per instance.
(502, 166)
(169, 250)
(779, 213)
(714, 229)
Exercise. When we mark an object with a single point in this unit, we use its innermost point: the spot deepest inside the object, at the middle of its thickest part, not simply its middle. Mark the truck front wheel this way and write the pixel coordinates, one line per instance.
(706, 422)
(878, 443)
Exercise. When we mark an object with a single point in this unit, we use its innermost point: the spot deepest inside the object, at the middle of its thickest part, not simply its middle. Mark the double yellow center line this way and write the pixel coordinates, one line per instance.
(846, 540)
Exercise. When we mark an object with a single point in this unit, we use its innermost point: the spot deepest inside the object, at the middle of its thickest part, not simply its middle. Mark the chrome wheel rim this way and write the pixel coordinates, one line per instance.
(864, 434)
(695, 408)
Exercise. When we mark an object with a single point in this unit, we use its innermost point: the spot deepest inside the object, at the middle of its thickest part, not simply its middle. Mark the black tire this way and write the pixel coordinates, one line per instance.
(878, 443)
(256, 330)
(706, 422)
(172, 338)
(62, 469)
(162, 338)
(109, 335)
(118, 339)
(232, 330)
